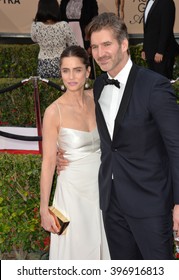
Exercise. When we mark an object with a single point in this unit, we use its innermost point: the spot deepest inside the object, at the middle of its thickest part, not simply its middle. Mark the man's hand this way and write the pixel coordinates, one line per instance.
(143, 55)
(158, 57)
(176, 219)
(61, 161)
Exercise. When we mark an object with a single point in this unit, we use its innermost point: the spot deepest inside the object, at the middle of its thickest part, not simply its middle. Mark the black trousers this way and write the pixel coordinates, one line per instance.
(164, 68)
(131, 238)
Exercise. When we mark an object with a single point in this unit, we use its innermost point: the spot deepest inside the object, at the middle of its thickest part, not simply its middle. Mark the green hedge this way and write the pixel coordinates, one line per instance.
(18, 106)
(20, 229)
(18, 61)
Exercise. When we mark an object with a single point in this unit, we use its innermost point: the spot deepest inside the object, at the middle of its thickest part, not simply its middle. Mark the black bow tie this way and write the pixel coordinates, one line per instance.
(112, 82)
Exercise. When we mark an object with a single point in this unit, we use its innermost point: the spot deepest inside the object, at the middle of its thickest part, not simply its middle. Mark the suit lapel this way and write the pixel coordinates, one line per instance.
(98, 87)
(125, 99)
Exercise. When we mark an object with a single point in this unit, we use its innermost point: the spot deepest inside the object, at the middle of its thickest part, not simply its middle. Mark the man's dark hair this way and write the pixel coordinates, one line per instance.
(108, 21)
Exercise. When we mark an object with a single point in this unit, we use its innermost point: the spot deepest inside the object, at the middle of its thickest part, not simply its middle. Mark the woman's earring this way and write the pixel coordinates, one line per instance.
(63, 88)
(87, 85)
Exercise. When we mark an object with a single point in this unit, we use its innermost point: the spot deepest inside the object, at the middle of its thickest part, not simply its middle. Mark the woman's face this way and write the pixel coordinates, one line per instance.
(74, 73)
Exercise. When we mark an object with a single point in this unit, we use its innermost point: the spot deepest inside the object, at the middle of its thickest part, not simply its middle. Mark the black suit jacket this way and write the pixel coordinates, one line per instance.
(143, 155)
(88, 11)
(158, 29)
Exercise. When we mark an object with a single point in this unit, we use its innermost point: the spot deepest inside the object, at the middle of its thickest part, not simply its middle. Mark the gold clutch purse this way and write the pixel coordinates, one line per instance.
(61, 221)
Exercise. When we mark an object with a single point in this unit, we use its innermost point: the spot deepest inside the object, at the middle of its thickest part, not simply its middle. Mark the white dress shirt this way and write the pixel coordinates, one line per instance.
(111, 96)
(148, 7)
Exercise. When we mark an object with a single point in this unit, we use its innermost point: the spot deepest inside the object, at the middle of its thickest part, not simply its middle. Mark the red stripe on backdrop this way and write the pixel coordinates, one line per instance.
(20, 152)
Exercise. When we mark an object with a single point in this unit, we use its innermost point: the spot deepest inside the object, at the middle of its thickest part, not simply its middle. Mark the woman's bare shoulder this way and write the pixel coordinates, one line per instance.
(52, 109)
(59, 104)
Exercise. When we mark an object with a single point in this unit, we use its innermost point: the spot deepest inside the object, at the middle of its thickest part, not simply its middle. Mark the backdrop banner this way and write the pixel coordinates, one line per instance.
(16, 16)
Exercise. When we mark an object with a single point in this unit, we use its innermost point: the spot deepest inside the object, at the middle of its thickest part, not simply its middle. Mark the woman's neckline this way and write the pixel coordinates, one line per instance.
(69, 128)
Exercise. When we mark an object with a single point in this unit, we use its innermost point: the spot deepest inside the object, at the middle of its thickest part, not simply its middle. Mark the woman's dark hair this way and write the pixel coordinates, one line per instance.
(76, 51)
(48, 10)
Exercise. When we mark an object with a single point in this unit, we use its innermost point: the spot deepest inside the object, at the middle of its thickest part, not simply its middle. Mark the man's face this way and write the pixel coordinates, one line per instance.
(107, 52)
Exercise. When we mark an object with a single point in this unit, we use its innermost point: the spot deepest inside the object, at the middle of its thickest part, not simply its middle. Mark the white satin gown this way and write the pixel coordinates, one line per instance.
(76, 195)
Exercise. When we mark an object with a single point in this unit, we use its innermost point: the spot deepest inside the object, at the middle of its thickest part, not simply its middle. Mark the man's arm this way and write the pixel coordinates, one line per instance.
(165, 110)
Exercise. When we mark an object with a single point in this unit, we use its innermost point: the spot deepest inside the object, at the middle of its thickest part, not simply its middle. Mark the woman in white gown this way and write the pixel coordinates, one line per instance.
(70, 122)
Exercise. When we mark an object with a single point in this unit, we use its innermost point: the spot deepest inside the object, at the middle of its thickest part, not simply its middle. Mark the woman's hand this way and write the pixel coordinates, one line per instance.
(48, 222)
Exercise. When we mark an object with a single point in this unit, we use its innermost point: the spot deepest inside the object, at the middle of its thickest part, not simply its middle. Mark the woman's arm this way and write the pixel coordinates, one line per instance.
(33, 31)
(49, 144)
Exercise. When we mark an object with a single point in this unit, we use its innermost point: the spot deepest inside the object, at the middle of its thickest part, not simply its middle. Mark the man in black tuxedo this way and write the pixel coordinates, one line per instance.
(138, 125)
(159, 45)
(138, 122)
